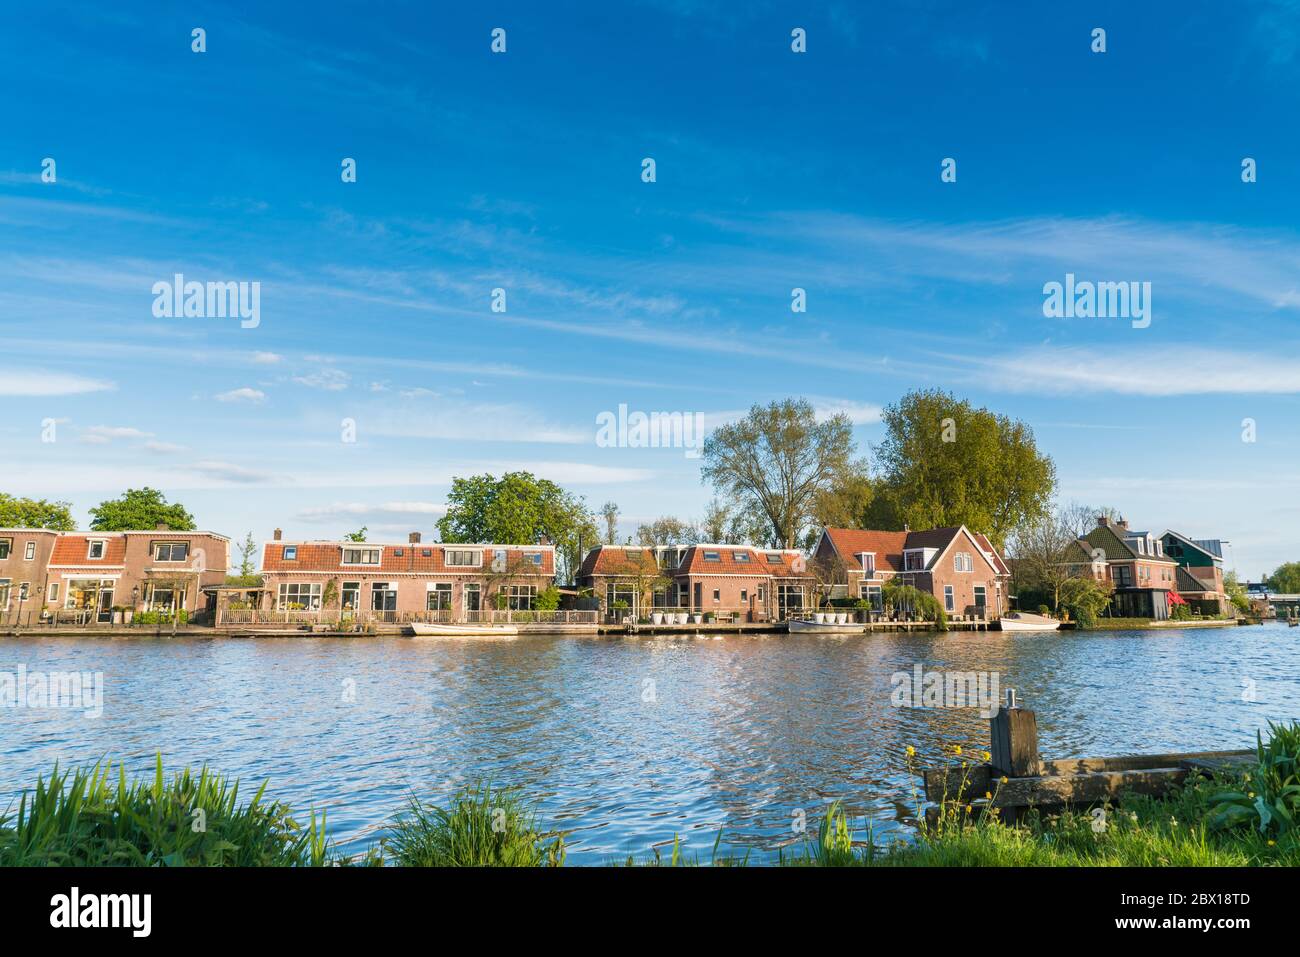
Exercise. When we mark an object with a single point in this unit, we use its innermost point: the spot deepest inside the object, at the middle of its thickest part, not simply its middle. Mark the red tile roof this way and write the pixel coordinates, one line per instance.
(73, 549)
(627, 560)
(755, 562)
(851, 542)
(889, 546)
(328, 557)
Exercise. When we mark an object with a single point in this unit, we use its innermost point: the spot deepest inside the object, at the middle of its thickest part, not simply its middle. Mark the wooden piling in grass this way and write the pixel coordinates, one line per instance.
(1052, 785)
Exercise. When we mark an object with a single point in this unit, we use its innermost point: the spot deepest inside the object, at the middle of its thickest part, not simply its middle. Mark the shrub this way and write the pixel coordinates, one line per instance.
(482, 827)
(548, 599)
(1269, 799)
(91, 819)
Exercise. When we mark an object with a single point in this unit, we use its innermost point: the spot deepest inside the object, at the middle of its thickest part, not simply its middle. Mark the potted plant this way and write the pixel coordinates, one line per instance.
(680, 617)
(657, 617)
(696, 618)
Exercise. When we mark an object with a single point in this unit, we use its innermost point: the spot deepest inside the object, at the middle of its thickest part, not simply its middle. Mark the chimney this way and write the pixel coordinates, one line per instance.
(276, 534)
(1123, 523)
(544, 540)
(160, 527)
(906, 527)
(414, 538)
(1102, 521)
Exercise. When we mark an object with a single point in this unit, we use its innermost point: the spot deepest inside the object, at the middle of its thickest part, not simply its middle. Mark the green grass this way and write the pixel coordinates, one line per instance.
(481, 827)
(95, 818)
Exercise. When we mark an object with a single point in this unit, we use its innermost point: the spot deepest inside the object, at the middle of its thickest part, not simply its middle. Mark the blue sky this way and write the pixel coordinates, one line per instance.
(521, 171)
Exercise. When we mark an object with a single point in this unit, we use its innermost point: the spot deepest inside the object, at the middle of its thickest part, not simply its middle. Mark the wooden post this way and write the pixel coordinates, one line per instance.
(1014, 735)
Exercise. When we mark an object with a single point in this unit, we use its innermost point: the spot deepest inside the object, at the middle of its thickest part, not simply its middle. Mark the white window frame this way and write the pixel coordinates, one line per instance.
(289, 553)
(439, 589)
(355, 591)
(949, 598)
(169, 546)
(52, 592)
(90, 548)
(475, 553)
(7, 544)
(362, 550)
(29, 552)
(312, 593)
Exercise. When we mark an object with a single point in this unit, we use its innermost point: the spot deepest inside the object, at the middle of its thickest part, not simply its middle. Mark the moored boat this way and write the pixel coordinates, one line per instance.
(1024, 621)
(425, 629)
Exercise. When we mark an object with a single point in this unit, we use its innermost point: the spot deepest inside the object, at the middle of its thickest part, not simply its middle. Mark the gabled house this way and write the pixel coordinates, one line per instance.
(958, 567)
(1142, 575)
(403, 581)
(754, 584)
(1202, 561)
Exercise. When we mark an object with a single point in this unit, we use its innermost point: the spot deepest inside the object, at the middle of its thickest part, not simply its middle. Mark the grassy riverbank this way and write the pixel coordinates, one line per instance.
(97, 818)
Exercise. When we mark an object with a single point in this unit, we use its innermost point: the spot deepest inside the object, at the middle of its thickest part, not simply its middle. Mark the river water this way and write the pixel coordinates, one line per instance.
(628, 742)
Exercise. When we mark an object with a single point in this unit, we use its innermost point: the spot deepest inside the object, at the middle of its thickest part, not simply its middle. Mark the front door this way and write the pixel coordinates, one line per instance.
(472, 597)
(105, 606)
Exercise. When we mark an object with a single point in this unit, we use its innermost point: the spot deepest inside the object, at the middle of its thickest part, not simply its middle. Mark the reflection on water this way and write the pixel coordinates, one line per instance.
(627, 742)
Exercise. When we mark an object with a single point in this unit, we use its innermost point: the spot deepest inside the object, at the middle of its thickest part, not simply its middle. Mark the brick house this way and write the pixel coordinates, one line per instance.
(1200, 578)
(91, 573)
(960, 568)
(401, 582)
(1137, 566)
(754, 584)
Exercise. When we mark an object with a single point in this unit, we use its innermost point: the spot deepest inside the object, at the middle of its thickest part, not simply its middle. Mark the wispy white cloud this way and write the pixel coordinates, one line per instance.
(366, 510)
(245, 394)
(104, 434)
(331, 380)
(1153, 370)
(36, 384)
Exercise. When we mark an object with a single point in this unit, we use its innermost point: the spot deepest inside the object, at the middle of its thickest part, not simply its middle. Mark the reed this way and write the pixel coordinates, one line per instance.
(480, 827)
(94, 818)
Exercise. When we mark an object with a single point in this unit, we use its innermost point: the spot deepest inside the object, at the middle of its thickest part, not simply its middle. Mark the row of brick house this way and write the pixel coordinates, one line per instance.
(95, 576)
(46, 575)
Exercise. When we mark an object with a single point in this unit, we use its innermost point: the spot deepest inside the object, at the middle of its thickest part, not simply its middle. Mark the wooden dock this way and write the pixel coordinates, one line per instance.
(1031, 782)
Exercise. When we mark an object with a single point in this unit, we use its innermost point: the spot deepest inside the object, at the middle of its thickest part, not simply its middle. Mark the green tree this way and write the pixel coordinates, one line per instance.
(1236, 592)
(944, 462)
(142, 508)
(520, 508)
(667, 530)
(1285, 579)
(16, 512)
(776, 460)
(247, 549)
(358, 536)
(609, 512)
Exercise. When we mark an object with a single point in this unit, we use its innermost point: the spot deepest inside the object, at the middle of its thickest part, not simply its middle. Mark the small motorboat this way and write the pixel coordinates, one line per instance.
(425, 629)
(1024, 621)
(830, 625)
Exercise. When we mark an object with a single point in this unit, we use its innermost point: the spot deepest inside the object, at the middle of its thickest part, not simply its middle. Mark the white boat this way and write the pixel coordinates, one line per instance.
(1023, 621)
(425, 629)
(803, 626)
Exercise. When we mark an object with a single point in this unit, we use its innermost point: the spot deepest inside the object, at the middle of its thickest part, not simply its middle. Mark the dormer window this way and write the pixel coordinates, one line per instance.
(290, 553)
(740, 556)
(360, 556)
(712, 557)
(868, 563)
(96, 549)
